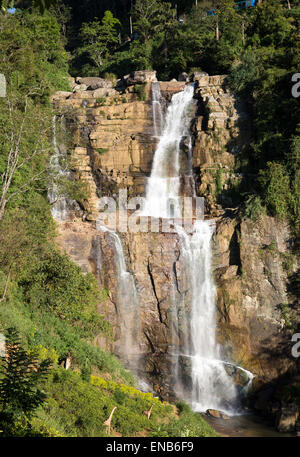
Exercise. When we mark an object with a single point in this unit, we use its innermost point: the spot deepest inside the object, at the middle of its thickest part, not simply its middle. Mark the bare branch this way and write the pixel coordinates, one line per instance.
(5, 286)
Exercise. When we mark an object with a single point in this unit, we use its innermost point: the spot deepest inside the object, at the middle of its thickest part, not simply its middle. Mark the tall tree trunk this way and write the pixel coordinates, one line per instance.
(217, 30)
(2, 208)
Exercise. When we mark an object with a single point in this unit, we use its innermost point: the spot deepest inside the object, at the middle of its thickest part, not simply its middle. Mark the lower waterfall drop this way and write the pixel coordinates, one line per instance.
(212, 388)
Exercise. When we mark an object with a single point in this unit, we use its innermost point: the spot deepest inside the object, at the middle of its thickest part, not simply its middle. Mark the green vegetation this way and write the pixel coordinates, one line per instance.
(219, 182)
(253, 207)
(99, 39)
(101, 101)
(257, 47)
(140, 90)
(286, 315)
(20, 376)
(102, 150)
(79, 408)
(44, 296)
(71, 404)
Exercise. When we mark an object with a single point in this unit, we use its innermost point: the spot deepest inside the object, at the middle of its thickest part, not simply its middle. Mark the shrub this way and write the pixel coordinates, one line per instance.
(219, 184)
(275, 186)
(56, 283)
(253, 207)
(140, 90)
(110, 77)
(101, 101)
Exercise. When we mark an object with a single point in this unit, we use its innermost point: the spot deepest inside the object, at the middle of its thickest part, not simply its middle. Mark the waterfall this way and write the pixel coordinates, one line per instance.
(157, 110)
(60, 205)
(211, 385)
(163, 186)
(127, 303)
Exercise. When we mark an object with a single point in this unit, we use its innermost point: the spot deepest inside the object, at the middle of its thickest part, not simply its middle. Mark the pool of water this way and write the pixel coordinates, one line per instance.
(248, 425)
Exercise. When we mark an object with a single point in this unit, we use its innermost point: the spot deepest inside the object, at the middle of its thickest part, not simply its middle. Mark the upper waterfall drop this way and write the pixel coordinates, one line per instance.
(157, 109)
(163, 186)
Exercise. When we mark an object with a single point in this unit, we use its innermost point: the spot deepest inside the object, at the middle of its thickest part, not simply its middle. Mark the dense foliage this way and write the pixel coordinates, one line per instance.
(20, 375)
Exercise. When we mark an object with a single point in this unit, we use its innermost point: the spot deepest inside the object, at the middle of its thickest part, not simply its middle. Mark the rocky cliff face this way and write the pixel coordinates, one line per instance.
(113, 147)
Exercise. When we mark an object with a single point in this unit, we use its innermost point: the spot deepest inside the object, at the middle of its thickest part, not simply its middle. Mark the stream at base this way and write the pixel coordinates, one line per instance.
(248, 425)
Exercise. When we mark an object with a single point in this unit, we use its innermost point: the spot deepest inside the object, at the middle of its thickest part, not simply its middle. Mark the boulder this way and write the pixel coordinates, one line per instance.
(94, 83)
(140, 77)
(61, 94)
(183, 77)
(169, 88)
(104, 92)
(217, 80)
(197, 75)
(217, 414)
(80, 88)
(72, 82)
(287, 418)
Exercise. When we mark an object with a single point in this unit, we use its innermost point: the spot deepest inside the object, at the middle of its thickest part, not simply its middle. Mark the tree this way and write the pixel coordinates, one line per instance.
(275, 185)
(41, 4)
(20, 377)
(21, 145)
(34, 63)
(153, 22)
(100, 40)
(151, 17)
(62, 14)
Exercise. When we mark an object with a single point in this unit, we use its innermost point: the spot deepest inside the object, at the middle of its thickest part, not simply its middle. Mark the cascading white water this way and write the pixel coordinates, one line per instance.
(211, 385)
(163, 187)
(60, 205)
(157, 110)
(127, 301)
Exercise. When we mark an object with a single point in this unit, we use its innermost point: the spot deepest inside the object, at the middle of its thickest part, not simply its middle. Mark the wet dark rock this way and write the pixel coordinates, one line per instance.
(217, 414)
(287, 418)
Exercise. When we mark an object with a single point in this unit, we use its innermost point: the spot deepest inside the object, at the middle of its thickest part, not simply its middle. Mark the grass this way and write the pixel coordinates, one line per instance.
(41, 329)
(78, 408)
